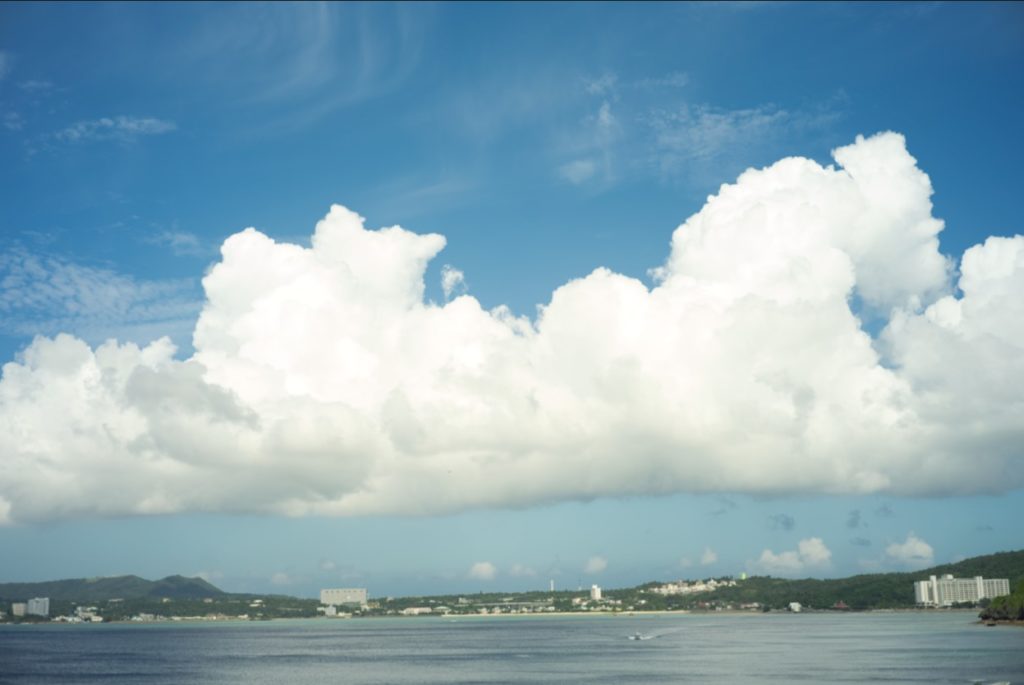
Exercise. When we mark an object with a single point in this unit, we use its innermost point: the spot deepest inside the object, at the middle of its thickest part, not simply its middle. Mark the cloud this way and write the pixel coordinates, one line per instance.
(13, 121)
(810, 553)
(701, 140)
(708, 557)
(482, 570)
(521, 571)
(303, 62)
(209, 576)
(675, 79)
(181, 243)
(595, 565)
(34, 86)
(122, 128)
(701, 131)
(280, 578)
(323, 383)
(725, 506)
(47, 294)
(601, 85)
(327, 565)
(783, 521)
(594, 146)
(860, 542)
(453, 281)
(853, 520)
(5, 512)
(578, 171)
(884, 511)
(685, 562)
(911, 553)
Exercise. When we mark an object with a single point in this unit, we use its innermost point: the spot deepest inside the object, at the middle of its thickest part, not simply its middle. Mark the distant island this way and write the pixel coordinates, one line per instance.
(127, 598)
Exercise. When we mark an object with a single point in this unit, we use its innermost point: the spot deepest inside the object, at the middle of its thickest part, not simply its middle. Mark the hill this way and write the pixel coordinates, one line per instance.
(99, 589)
(870, 591)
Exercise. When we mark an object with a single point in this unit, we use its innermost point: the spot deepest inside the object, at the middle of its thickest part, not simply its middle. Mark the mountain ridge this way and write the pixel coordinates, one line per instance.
(98, 588)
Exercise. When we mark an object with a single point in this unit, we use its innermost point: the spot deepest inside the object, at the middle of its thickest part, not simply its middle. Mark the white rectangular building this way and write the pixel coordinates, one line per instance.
(946, 590)
(38, 606)
(346, 596)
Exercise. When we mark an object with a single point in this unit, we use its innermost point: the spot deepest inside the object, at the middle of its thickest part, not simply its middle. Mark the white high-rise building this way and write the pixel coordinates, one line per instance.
(344, 596)
(595, 593)
(946, 590)
(38, 606)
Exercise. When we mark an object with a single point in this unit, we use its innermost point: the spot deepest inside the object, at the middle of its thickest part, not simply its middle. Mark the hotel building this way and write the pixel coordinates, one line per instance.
(343, 596)
(946, 590)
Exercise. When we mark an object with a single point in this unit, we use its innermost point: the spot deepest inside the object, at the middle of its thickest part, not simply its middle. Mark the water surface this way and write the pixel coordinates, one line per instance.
(912, 647)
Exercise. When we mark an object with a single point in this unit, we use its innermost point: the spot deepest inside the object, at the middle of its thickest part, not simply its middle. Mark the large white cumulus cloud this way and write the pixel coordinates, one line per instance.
(323, 383)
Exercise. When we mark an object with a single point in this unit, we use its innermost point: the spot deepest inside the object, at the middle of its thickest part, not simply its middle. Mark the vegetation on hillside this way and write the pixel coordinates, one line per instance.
(120, 587)
(1007, 607)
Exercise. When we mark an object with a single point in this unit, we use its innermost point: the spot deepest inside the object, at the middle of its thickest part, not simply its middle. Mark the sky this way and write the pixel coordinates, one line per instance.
(463, 297)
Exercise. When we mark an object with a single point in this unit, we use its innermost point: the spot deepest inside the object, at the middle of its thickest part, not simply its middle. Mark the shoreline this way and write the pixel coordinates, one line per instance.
(557, 614)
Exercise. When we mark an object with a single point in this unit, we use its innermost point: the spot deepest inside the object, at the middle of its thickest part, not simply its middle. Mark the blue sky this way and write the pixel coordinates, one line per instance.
(315, 434)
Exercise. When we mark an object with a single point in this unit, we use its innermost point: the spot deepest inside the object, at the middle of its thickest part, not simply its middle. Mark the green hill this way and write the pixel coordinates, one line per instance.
(1007, 607)
(99, 589)
(870, 591)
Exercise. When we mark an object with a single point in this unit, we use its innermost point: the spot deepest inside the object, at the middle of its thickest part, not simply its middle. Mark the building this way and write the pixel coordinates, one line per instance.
(344, 596)
(796, 607)
(595, 593)
(416, 611)
(946, 590)
(38, 606)
(682, 587)
(18, 609)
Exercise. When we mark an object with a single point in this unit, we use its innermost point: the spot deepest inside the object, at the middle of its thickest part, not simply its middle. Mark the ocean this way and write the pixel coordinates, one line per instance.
(905, 647)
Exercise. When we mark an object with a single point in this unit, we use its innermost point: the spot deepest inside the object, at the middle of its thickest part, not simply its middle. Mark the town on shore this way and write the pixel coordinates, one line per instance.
(964, 585)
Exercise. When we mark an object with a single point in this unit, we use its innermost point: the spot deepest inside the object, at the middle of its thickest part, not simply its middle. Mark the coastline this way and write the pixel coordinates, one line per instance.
(557, 614)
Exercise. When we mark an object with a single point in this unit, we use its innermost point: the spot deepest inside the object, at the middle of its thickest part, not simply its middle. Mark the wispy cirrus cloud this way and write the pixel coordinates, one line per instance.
(702, 131)
(35, 86)
(703, 141)
(121, 128)
(601, 130)
(13, 121)
(655, 129)
(182, 243)
(675, 79)
(47, 294)
(299, 62)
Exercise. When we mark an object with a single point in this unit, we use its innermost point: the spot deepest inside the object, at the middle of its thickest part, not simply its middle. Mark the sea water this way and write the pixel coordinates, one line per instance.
(906, 647)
